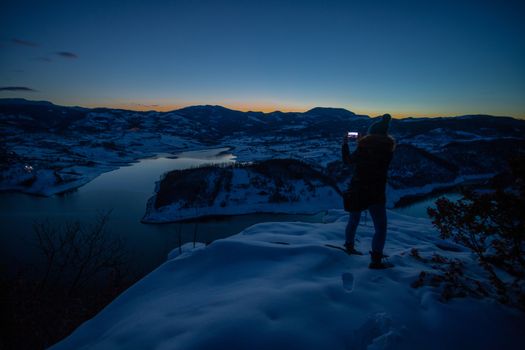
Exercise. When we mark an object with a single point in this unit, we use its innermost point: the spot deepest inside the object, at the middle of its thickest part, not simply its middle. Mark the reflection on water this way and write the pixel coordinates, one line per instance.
(419, 209)
(125, 192)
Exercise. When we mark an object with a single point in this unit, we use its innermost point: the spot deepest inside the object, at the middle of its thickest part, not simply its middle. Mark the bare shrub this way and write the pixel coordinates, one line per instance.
(76, 255)
(492, 225)
(82, 269)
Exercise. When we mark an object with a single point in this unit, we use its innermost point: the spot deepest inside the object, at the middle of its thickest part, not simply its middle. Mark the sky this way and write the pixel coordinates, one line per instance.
(407, 58)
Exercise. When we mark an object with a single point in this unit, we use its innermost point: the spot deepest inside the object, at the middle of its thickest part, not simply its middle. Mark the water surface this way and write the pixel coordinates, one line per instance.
(124, 192)
(419, 208)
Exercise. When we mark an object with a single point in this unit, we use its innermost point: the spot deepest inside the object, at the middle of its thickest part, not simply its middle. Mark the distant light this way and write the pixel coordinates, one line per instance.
(28, 168)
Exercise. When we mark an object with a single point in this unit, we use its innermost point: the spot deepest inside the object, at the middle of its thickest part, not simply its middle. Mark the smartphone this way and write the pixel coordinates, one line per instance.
(353, 134)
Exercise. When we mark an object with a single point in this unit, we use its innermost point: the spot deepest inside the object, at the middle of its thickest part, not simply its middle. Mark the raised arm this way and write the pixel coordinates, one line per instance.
(348, 158)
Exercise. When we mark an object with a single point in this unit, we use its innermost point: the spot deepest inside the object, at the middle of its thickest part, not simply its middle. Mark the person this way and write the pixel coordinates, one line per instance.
(367, 187)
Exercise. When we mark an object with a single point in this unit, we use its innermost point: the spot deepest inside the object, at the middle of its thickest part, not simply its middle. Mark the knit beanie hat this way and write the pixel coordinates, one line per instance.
(380, 127)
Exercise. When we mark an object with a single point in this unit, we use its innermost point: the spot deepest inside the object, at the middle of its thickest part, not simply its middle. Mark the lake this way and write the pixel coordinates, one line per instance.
(125, 192)
(419, 208)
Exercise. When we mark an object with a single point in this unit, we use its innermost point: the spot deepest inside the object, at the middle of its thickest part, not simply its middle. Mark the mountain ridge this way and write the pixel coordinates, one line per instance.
(313, 111)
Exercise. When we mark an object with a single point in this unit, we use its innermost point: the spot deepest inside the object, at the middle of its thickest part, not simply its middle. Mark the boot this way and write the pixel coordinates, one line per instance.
(350, 249)
(377, 262)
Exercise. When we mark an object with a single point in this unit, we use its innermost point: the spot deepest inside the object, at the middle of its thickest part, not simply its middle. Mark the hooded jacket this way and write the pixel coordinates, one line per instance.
(371, 160)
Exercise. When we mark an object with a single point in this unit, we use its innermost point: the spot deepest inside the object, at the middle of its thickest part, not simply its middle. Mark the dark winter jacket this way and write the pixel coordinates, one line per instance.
(371, 160)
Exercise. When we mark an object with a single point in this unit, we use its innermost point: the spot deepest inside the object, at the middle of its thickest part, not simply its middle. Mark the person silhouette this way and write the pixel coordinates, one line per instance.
(366, 190)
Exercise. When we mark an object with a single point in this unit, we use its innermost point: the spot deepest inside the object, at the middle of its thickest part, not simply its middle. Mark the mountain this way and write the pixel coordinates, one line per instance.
(56, 139)
(23, 101)
(330, 112)
(479, 125)
(35, 116)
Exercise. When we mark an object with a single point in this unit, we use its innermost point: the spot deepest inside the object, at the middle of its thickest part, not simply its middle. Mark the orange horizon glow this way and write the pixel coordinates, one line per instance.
(272, 107)
(261, 107)
(171, 107)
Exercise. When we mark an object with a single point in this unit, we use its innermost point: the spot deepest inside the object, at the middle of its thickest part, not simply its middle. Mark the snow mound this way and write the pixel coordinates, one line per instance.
(278, 286)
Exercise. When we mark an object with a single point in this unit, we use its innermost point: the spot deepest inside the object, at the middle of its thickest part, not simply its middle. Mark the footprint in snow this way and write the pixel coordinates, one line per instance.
(348, 281)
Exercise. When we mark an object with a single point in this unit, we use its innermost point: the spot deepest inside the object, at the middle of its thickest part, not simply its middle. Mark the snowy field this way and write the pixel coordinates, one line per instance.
(277, 286)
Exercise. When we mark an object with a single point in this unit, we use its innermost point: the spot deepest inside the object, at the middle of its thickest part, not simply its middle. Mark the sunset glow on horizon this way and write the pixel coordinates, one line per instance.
(269, 108)
(406, 58)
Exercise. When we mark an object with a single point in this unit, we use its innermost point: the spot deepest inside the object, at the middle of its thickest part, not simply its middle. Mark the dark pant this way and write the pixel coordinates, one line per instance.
(378, 214)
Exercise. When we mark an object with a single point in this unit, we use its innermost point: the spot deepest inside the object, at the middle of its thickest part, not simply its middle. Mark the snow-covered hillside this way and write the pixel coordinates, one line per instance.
(271, 186)
(278, 286)
(67, 147)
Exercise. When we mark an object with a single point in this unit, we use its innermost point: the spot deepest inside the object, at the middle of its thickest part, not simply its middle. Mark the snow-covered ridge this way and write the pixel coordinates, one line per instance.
(278, 286)
(67, 147)
(271, 186)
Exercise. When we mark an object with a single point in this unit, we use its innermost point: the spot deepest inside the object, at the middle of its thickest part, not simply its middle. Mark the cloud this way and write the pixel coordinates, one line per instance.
(23, 42)
(66, 54)
(17, 88)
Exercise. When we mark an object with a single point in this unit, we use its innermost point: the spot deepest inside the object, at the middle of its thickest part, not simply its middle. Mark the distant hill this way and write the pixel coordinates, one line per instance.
(23, 101)
(430, 151)
(328, 111)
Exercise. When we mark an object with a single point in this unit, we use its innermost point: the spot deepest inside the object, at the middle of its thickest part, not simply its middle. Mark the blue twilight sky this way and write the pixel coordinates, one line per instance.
(402, 57)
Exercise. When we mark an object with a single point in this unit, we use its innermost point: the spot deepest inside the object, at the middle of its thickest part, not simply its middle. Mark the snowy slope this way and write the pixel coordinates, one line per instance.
(271, 186)
(277, 286)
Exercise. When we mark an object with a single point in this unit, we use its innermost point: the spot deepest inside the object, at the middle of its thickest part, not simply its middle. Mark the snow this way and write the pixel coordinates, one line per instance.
(108, 139)
(394, 195)
(255, 119)
(277, 286)
(245, 198)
